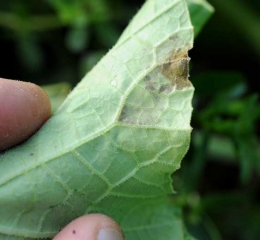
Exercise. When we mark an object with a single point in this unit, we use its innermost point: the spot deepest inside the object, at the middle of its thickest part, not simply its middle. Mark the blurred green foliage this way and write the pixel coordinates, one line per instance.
(218, 186)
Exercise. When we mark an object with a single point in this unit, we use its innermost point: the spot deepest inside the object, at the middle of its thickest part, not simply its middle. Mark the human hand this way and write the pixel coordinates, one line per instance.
(24, 108)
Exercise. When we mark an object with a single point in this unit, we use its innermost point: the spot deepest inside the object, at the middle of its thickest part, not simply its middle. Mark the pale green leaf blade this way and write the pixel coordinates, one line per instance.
(115, 140)
(164, 222)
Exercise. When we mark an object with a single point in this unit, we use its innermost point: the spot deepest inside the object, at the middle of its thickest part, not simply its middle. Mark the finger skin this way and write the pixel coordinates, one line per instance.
(24, 108)
(87, 227)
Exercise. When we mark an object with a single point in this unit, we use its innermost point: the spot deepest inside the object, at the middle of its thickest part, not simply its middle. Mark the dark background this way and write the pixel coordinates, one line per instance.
(218, 188)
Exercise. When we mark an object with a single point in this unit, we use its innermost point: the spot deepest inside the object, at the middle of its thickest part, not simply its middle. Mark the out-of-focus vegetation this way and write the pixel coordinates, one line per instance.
(218, 186)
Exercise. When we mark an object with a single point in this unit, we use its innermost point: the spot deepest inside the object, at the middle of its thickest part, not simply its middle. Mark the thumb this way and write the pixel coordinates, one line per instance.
(91, 227)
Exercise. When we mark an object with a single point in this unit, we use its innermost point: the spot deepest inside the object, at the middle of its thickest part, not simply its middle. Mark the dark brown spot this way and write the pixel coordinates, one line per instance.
(149, 84)
(164, 88)
(74, 232)
(126, 117)
(174, 38)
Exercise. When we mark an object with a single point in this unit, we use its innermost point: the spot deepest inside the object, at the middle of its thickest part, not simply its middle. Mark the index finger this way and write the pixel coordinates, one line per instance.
(24, 108)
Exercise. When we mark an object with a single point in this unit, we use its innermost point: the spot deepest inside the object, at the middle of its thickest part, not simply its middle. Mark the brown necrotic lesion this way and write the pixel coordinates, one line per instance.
(172, 74)
(155, 88)
(177, 70)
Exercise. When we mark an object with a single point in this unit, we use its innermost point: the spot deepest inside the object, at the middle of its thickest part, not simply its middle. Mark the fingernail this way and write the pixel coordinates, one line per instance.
(109, 234)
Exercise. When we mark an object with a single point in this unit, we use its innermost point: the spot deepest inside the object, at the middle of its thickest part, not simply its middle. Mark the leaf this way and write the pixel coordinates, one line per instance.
(114, 142)
(200, 12)
(166, 222)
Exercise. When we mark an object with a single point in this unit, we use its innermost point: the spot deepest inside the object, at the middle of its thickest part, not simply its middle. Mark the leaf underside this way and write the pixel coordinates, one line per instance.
(114, 142)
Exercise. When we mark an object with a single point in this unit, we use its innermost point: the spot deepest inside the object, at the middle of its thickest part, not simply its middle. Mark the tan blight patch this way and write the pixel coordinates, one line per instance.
(177, 70)
(152, 97)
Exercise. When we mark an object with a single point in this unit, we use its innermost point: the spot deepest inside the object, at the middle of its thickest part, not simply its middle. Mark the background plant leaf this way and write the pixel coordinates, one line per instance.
(200, 12)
